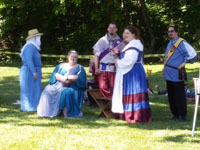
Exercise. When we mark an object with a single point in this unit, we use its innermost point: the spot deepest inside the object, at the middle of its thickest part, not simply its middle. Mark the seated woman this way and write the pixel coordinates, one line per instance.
(65, 90)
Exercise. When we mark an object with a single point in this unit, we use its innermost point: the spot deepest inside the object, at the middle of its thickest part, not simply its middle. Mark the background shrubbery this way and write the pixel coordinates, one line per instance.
(77, 24)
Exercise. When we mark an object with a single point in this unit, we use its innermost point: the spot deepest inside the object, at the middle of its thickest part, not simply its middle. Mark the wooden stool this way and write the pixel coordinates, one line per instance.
(103, 103)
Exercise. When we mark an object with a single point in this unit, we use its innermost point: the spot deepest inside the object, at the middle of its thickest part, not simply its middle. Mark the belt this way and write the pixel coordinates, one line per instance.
(171, 67)
(109, 64)
(107, 67)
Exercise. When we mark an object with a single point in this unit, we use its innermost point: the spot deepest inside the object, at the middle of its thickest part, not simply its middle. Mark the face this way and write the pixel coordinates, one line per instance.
(38, 40)
(72, 59)
(172, 33)
(112, 29)
(128, 36)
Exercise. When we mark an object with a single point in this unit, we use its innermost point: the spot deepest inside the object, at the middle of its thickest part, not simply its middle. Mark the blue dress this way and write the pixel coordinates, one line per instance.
(135, 95)
(50, 97)
(73, 96)
(58, 95)
(30, 88)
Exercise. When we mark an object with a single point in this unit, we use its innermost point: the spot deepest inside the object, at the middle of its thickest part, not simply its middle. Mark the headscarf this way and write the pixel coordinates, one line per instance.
(35, 41)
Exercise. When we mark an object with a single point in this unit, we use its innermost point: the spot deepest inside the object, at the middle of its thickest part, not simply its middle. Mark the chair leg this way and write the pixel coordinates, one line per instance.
(104, 104)
(102, 114)
(107, 114)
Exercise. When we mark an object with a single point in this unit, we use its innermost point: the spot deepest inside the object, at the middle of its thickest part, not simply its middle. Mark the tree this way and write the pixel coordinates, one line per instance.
(142, 7)
(78, 24)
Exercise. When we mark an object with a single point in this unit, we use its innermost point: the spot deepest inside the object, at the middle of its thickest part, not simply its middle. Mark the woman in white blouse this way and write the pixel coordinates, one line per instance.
(130, 96)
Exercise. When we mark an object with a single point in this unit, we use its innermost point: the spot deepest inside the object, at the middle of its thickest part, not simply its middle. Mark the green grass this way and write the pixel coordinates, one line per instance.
(22, 130)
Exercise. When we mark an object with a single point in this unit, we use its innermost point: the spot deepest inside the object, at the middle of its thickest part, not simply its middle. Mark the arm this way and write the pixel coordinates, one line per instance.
(181, 66)
(128, 61)
(28, 56)
(99, 47)
(71, 78)
(91, 64)
(81, 85)
(190, 54)
(60, 77)
(96, 64)
(53, 79)
(66, 78)
(115, 50)
(82, 78)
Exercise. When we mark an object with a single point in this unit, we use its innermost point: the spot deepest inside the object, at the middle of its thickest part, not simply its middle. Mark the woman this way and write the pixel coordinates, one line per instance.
(65, 90)
(30, 72)
(130, 97)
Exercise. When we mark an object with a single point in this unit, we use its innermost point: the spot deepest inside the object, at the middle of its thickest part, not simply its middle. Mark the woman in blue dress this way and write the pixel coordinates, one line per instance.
(30, 73)
(65, 91)
(130, 96)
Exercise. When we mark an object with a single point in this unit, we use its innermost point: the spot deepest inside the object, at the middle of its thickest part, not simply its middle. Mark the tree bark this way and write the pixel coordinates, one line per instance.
(142, 7)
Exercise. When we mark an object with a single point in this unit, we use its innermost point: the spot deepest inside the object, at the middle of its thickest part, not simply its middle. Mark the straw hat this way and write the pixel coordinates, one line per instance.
(33, 33)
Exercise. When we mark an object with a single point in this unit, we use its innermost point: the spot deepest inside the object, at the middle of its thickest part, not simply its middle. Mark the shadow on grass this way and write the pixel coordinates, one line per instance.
(10, 114)
(182, 138)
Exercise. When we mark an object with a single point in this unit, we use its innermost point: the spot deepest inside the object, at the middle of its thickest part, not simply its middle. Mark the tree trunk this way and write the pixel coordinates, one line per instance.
(142, 7)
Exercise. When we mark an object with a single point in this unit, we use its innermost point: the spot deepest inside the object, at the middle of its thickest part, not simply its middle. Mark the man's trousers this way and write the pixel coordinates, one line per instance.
(176, 97)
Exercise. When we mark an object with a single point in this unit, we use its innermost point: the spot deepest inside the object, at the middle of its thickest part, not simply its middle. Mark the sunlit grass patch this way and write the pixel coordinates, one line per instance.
(24, 130)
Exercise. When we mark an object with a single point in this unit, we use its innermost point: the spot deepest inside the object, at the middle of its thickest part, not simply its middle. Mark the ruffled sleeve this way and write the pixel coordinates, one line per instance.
(82, 78)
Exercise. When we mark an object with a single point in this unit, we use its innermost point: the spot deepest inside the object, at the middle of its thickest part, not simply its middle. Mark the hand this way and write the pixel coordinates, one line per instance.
(60, 77)
(181, 66)
(116, 61)
(97, 71)
(57, 76)
(35, 76)
(72, 78)
(115, 50)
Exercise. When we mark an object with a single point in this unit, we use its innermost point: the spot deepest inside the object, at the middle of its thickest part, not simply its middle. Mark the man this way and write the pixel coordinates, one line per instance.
(104, 60)
(177, 53)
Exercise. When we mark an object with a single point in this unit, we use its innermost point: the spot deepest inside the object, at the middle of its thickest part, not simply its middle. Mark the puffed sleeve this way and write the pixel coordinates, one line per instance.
(190, 55)
(99, 47)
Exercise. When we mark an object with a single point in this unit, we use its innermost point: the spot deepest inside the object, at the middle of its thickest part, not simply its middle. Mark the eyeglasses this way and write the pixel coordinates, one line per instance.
(170, 31)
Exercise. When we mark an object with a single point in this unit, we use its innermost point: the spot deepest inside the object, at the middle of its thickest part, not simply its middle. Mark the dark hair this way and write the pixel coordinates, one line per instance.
(112, 22)
(134, 30)
(175, 28)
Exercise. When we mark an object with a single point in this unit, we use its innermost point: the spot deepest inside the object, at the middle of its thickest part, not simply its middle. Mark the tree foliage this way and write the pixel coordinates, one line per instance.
(77, 24)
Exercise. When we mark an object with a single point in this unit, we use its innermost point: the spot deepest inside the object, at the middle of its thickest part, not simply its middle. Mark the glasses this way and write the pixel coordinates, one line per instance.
(170, 31)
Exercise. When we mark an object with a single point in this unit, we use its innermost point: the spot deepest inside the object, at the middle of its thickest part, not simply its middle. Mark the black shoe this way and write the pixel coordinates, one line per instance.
(182, 119)
(174, 118)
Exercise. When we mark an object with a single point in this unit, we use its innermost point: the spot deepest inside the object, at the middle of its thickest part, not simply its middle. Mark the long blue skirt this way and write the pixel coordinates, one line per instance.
(135, 96)
(30, 89)
(71, 100)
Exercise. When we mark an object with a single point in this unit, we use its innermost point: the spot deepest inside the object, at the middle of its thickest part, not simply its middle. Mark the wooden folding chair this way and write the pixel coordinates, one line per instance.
(103, 103)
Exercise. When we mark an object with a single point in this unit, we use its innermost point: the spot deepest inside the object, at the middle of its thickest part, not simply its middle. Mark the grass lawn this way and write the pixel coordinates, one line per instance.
(24, 131)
